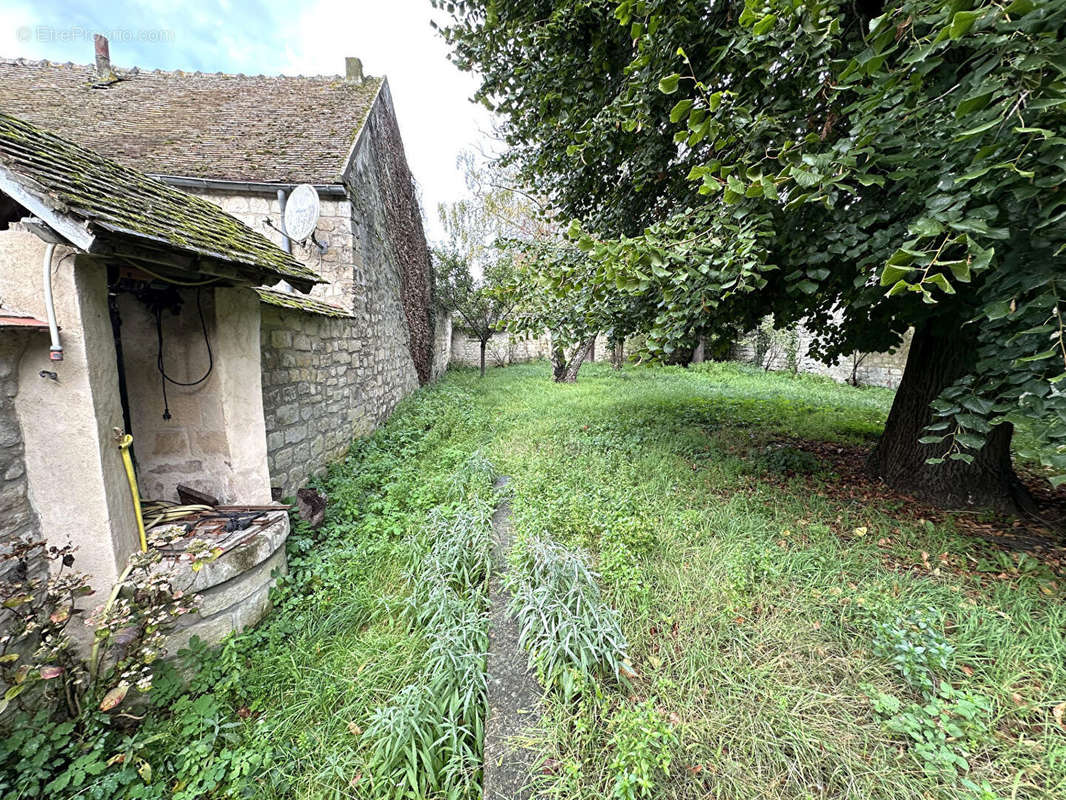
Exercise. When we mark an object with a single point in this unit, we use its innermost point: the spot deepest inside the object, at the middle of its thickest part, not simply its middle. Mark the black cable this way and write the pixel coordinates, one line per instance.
(159, 356)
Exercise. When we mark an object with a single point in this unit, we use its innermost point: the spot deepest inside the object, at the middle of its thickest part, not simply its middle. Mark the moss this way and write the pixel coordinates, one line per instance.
(301, 303)
(105, 192)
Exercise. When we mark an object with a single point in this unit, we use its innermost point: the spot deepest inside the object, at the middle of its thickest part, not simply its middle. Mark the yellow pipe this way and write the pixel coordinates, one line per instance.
(124, 445)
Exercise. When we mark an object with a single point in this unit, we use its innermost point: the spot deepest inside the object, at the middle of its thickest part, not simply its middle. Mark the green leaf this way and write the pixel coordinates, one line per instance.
(764, 24)
(893, 273)
(1019, 8)
(680, 110)
(668, 85)
(941, 282)
(962, 22)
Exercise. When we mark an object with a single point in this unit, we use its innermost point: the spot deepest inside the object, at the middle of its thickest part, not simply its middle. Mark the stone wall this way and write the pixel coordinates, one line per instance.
(20, 523)
(504, 349)
(870, 369)
(328, 379)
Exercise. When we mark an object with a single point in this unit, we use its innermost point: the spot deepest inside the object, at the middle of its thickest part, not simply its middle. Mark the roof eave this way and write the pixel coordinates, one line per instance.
(238, 187)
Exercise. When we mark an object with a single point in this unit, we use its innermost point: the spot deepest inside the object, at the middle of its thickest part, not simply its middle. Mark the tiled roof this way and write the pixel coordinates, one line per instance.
(79, 183)
(228, 127)
(274, 297)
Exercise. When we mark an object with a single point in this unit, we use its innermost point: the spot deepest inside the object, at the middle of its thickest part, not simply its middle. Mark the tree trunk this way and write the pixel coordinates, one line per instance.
(618, 353)
(698, 354)
(564, 371)
(939, 355)
(483, 345)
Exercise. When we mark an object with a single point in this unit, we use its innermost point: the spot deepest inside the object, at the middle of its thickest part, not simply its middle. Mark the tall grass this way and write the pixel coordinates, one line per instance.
(427, 741)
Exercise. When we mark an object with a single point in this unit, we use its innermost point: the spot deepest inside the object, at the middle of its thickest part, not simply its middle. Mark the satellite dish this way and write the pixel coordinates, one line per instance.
(301, 212)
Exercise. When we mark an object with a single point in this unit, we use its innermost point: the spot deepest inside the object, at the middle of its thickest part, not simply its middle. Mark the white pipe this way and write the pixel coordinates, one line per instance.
(55, 353)
(286, 243)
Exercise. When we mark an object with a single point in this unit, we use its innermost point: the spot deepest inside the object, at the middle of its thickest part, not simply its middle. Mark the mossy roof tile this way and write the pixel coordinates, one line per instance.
(255, 128)
(309, 304)
(78, 182)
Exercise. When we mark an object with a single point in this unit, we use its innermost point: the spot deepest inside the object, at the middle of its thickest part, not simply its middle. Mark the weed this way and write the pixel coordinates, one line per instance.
(572, 635)
(943, 731)
(916, 646)
(643, 743)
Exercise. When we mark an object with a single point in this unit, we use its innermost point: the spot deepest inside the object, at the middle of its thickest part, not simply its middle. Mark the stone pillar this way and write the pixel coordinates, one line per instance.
(77, 481)
(237, 359)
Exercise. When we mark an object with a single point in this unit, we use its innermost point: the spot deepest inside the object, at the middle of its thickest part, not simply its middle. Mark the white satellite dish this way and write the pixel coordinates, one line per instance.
(301, 212)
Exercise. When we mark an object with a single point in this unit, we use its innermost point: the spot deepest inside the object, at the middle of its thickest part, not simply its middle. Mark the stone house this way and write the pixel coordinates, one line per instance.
(240, 371)
(104, 271)
(337, 361)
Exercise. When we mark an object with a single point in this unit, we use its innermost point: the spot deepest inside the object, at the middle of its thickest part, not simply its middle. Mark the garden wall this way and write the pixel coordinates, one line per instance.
(504, 349)
(871, 369)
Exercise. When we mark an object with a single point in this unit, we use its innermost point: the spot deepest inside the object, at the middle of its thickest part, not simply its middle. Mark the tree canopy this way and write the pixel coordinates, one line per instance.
(868, 167)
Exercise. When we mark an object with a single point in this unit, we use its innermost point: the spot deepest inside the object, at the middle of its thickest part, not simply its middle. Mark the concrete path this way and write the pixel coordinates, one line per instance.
(513, 693)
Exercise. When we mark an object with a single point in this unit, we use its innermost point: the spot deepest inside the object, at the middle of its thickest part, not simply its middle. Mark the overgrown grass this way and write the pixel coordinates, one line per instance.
(777, 624)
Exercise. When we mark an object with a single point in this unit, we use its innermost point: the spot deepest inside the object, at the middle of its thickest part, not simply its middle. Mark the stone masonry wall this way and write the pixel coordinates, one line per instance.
(325, 382)
(20, 523)
(874, 369)
(504, 349)
(327, 379)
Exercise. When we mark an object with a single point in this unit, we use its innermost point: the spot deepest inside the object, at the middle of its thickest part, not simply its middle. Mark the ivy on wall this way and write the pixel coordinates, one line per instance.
(403, 221)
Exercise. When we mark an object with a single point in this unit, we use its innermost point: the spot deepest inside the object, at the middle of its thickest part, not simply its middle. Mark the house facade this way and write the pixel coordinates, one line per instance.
(241, 361)
(335, 362)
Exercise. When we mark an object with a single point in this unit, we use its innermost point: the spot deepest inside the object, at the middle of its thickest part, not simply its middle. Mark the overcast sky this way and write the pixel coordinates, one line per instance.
(392, 37)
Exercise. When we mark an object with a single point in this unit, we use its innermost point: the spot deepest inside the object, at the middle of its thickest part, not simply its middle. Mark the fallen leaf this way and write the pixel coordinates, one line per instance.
(967, 670)
(860, 532)
(1018, 699)
(354, 729)
(1058, 712)
(50, 671)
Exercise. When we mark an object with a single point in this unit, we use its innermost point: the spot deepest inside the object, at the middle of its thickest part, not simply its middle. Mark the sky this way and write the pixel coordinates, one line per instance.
(392, 37)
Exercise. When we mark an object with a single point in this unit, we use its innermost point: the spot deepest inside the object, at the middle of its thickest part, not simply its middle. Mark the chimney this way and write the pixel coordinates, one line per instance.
(103, 57)
(353, 69)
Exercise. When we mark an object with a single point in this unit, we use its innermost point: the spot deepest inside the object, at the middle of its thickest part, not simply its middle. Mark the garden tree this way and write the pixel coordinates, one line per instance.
(480, 306)
(573, 318)
(868, 167)
(503, 223)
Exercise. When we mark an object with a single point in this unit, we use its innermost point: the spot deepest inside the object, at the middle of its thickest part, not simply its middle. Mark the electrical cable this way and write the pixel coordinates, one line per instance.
(175, 281)
(159, 356)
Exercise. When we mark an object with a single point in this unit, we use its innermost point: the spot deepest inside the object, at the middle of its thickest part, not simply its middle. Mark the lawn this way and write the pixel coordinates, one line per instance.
(790, 631)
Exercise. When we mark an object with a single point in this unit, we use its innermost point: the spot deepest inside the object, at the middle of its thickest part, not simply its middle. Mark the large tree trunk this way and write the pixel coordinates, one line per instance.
(484, 342)
(940, 353)
(565, 371)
